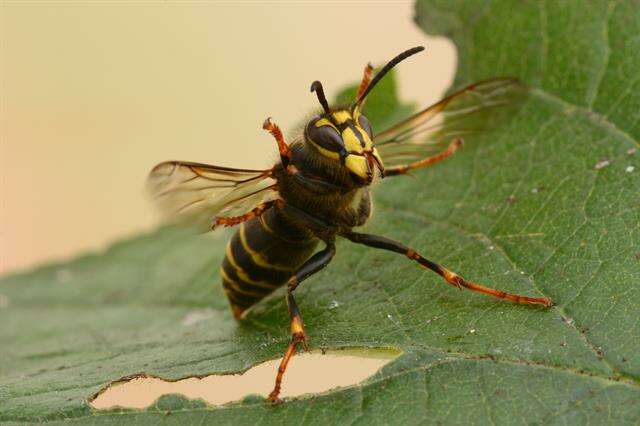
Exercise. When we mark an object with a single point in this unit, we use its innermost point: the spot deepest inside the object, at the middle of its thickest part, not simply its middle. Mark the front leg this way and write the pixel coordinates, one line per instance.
(427, 161)
(298, 336)
(449, 276)
(283, 147)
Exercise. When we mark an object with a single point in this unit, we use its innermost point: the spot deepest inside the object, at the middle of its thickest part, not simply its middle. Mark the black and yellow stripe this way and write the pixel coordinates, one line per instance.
(261, 256)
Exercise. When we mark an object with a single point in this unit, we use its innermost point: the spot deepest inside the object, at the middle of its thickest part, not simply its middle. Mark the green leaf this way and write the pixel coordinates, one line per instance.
(524, 210)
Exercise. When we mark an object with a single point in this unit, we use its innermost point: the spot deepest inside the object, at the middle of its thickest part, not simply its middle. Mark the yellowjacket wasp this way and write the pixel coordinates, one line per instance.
(320, 190)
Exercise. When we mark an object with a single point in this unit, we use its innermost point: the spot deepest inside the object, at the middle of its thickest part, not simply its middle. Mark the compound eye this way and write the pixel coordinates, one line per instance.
(325, 136)
(364, 124)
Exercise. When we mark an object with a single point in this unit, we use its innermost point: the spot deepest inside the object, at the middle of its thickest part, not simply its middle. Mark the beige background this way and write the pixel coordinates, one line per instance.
(311, 372)
(93, 95)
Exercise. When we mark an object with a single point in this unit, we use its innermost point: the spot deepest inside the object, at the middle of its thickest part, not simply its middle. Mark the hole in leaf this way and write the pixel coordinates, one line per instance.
(307, 373)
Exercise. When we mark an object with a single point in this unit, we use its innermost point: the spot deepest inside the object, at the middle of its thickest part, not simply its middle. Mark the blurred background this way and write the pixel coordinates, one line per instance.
(94, 94)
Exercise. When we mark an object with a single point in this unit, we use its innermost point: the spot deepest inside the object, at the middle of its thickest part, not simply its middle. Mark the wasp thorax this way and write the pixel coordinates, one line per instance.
(346, 137)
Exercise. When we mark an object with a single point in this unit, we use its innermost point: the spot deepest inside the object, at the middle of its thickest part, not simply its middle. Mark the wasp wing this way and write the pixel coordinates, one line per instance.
(474, 109)
(196, 193)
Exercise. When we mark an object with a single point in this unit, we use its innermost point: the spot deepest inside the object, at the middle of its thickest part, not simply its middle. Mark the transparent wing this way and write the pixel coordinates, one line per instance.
(195, 193)
(474, 109)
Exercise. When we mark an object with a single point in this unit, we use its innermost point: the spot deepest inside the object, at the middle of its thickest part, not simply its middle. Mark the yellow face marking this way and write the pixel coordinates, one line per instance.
(341, 116)
(326, 152)
(357, 164)
(325, 122)
(377, 156)
(356, 114)
(368, 144)
(351, 141)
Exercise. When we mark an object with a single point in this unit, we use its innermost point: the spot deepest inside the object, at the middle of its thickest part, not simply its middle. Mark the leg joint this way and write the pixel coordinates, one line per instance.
(292, 284)
(412, 254)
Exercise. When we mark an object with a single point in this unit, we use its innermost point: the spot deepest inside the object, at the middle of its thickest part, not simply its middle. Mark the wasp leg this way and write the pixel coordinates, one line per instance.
(366, 79)
(399, 170)
(235, 220)
(310, 267)
(283, 148)
(449, 276)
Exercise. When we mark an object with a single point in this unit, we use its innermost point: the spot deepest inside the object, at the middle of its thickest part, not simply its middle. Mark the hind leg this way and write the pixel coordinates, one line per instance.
(449, 276)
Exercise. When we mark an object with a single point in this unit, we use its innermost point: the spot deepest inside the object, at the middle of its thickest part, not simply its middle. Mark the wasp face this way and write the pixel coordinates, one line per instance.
(347, 137)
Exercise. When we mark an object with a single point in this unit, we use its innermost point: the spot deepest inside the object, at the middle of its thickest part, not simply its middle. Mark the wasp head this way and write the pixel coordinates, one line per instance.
(346, 137)
(345, 134)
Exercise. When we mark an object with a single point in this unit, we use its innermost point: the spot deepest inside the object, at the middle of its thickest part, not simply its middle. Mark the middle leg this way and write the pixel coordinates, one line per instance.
(236, 220)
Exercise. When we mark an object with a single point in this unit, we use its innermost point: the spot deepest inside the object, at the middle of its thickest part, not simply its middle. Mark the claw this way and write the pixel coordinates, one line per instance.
(452, 278)
(273, 399)
(283, 148)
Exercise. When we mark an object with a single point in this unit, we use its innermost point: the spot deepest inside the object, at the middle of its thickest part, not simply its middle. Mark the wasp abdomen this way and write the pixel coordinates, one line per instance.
(261, 256)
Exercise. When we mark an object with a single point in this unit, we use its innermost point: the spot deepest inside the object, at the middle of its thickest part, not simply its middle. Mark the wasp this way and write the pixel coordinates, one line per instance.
(320, 190)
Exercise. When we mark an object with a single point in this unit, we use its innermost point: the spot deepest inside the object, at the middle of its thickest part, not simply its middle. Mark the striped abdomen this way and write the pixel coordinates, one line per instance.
(261, 256)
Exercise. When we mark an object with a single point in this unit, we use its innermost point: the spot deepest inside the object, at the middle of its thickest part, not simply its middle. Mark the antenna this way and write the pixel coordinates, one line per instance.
(392, 63)
(316, 86)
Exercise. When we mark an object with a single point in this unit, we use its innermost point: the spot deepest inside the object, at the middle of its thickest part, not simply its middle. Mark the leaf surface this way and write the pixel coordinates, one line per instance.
(524, 209)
